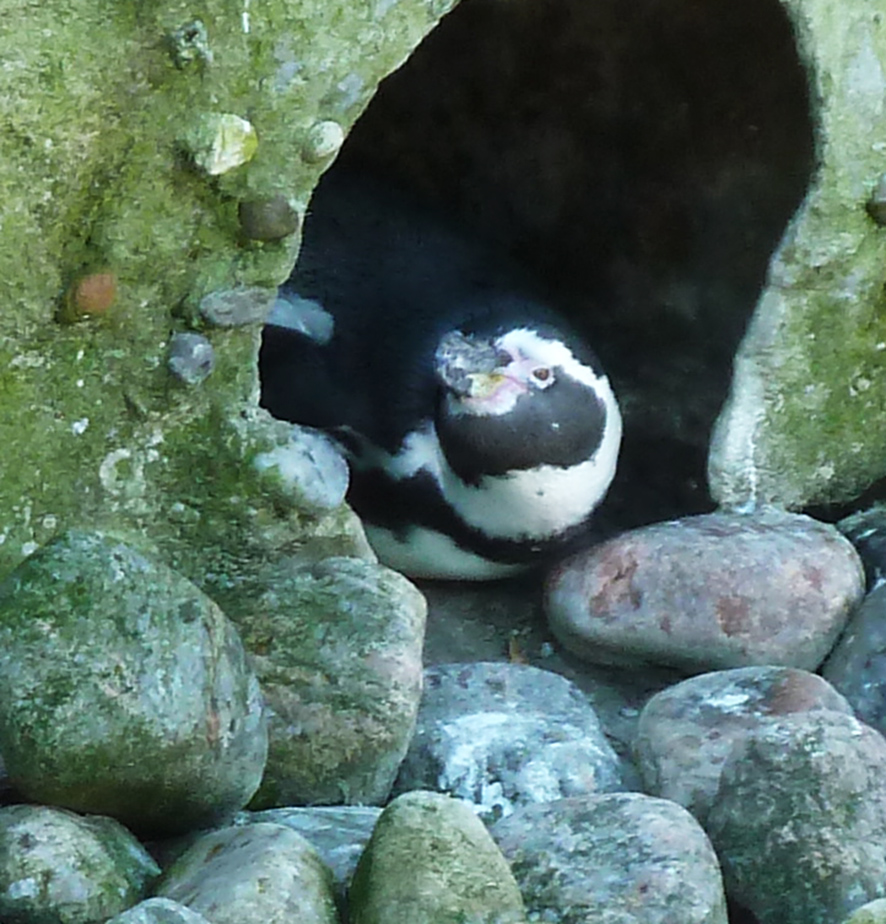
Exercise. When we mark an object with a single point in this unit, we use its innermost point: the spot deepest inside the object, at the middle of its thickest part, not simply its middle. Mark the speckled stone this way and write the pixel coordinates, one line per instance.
(613, 858)
(709, 592)
(430, 860)
(503, 735)
(124, 690)
(800, 819)
(337, 646)
(59, 867)
(252, 874)
(687, 731)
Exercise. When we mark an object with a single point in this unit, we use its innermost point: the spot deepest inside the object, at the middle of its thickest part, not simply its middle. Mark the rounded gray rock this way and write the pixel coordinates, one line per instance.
(339, 833)
(857, 665)
(311, 467)
(124, 690)
(870, 913)
(430, 860)
(799, 821)
(158, 911)
(337, 647)
(191, 357)
(237, 307)
(709, 592)
(61, 868)
(687, 731)
(255, 874)
(613, 858)
(502, 735)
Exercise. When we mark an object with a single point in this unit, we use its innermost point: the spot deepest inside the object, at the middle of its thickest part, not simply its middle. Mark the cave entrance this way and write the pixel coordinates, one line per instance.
(643, 160)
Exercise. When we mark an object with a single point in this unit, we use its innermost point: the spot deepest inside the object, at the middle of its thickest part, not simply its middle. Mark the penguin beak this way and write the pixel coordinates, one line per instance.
(483, 384)
(469, 367)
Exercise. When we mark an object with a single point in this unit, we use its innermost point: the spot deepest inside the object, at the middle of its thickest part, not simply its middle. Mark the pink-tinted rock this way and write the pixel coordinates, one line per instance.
(709, 592)
(686, 732)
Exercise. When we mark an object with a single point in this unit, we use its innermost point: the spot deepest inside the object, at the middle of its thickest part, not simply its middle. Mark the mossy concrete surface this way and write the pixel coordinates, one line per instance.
(806, 419)
(132, 133)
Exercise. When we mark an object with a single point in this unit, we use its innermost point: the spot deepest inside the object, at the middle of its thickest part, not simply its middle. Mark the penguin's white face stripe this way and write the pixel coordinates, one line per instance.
(550, 498)
(530, 354)
(527, 344)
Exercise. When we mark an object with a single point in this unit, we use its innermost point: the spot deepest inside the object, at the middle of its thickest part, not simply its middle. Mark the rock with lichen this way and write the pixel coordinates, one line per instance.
(806, 419)
(124, 690)
(60, 867)
(258, 872)
(430, 860)
(338, 650)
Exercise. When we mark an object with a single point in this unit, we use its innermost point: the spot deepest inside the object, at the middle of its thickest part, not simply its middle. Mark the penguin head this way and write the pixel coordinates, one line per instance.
(520, 399)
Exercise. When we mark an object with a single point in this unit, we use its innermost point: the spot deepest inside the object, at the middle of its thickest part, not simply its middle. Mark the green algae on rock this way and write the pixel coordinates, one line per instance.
(96, 102)
(124, 690)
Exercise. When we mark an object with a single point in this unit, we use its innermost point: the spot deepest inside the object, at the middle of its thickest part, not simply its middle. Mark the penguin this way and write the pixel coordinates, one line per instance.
(480, 429)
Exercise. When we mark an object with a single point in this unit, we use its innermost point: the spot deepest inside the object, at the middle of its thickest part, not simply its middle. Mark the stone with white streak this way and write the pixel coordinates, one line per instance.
(505, 735)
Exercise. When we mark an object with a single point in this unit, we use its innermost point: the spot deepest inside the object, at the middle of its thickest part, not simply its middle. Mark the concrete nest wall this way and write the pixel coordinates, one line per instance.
(156, 164)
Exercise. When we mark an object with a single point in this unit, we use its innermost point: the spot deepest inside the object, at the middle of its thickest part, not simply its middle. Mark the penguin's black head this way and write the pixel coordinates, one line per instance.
(521, 399)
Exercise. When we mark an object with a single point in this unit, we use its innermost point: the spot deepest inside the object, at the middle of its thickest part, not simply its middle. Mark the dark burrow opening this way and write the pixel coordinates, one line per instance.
(643, 161)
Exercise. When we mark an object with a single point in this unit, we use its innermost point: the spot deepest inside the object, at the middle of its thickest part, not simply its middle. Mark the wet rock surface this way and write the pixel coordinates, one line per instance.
(121, 683)
(613, 858)
(799, 821)
(709, 592)
(504, 735)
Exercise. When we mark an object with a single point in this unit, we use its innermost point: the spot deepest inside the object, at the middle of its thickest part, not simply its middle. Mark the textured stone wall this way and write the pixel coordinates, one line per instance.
(155, 163)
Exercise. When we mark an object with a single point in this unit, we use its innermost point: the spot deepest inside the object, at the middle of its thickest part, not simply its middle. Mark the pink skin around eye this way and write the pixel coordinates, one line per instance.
(497, 393)
(524, 370)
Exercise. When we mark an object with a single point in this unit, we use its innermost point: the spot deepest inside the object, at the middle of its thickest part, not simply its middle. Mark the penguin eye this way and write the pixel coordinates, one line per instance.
(542, 374)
